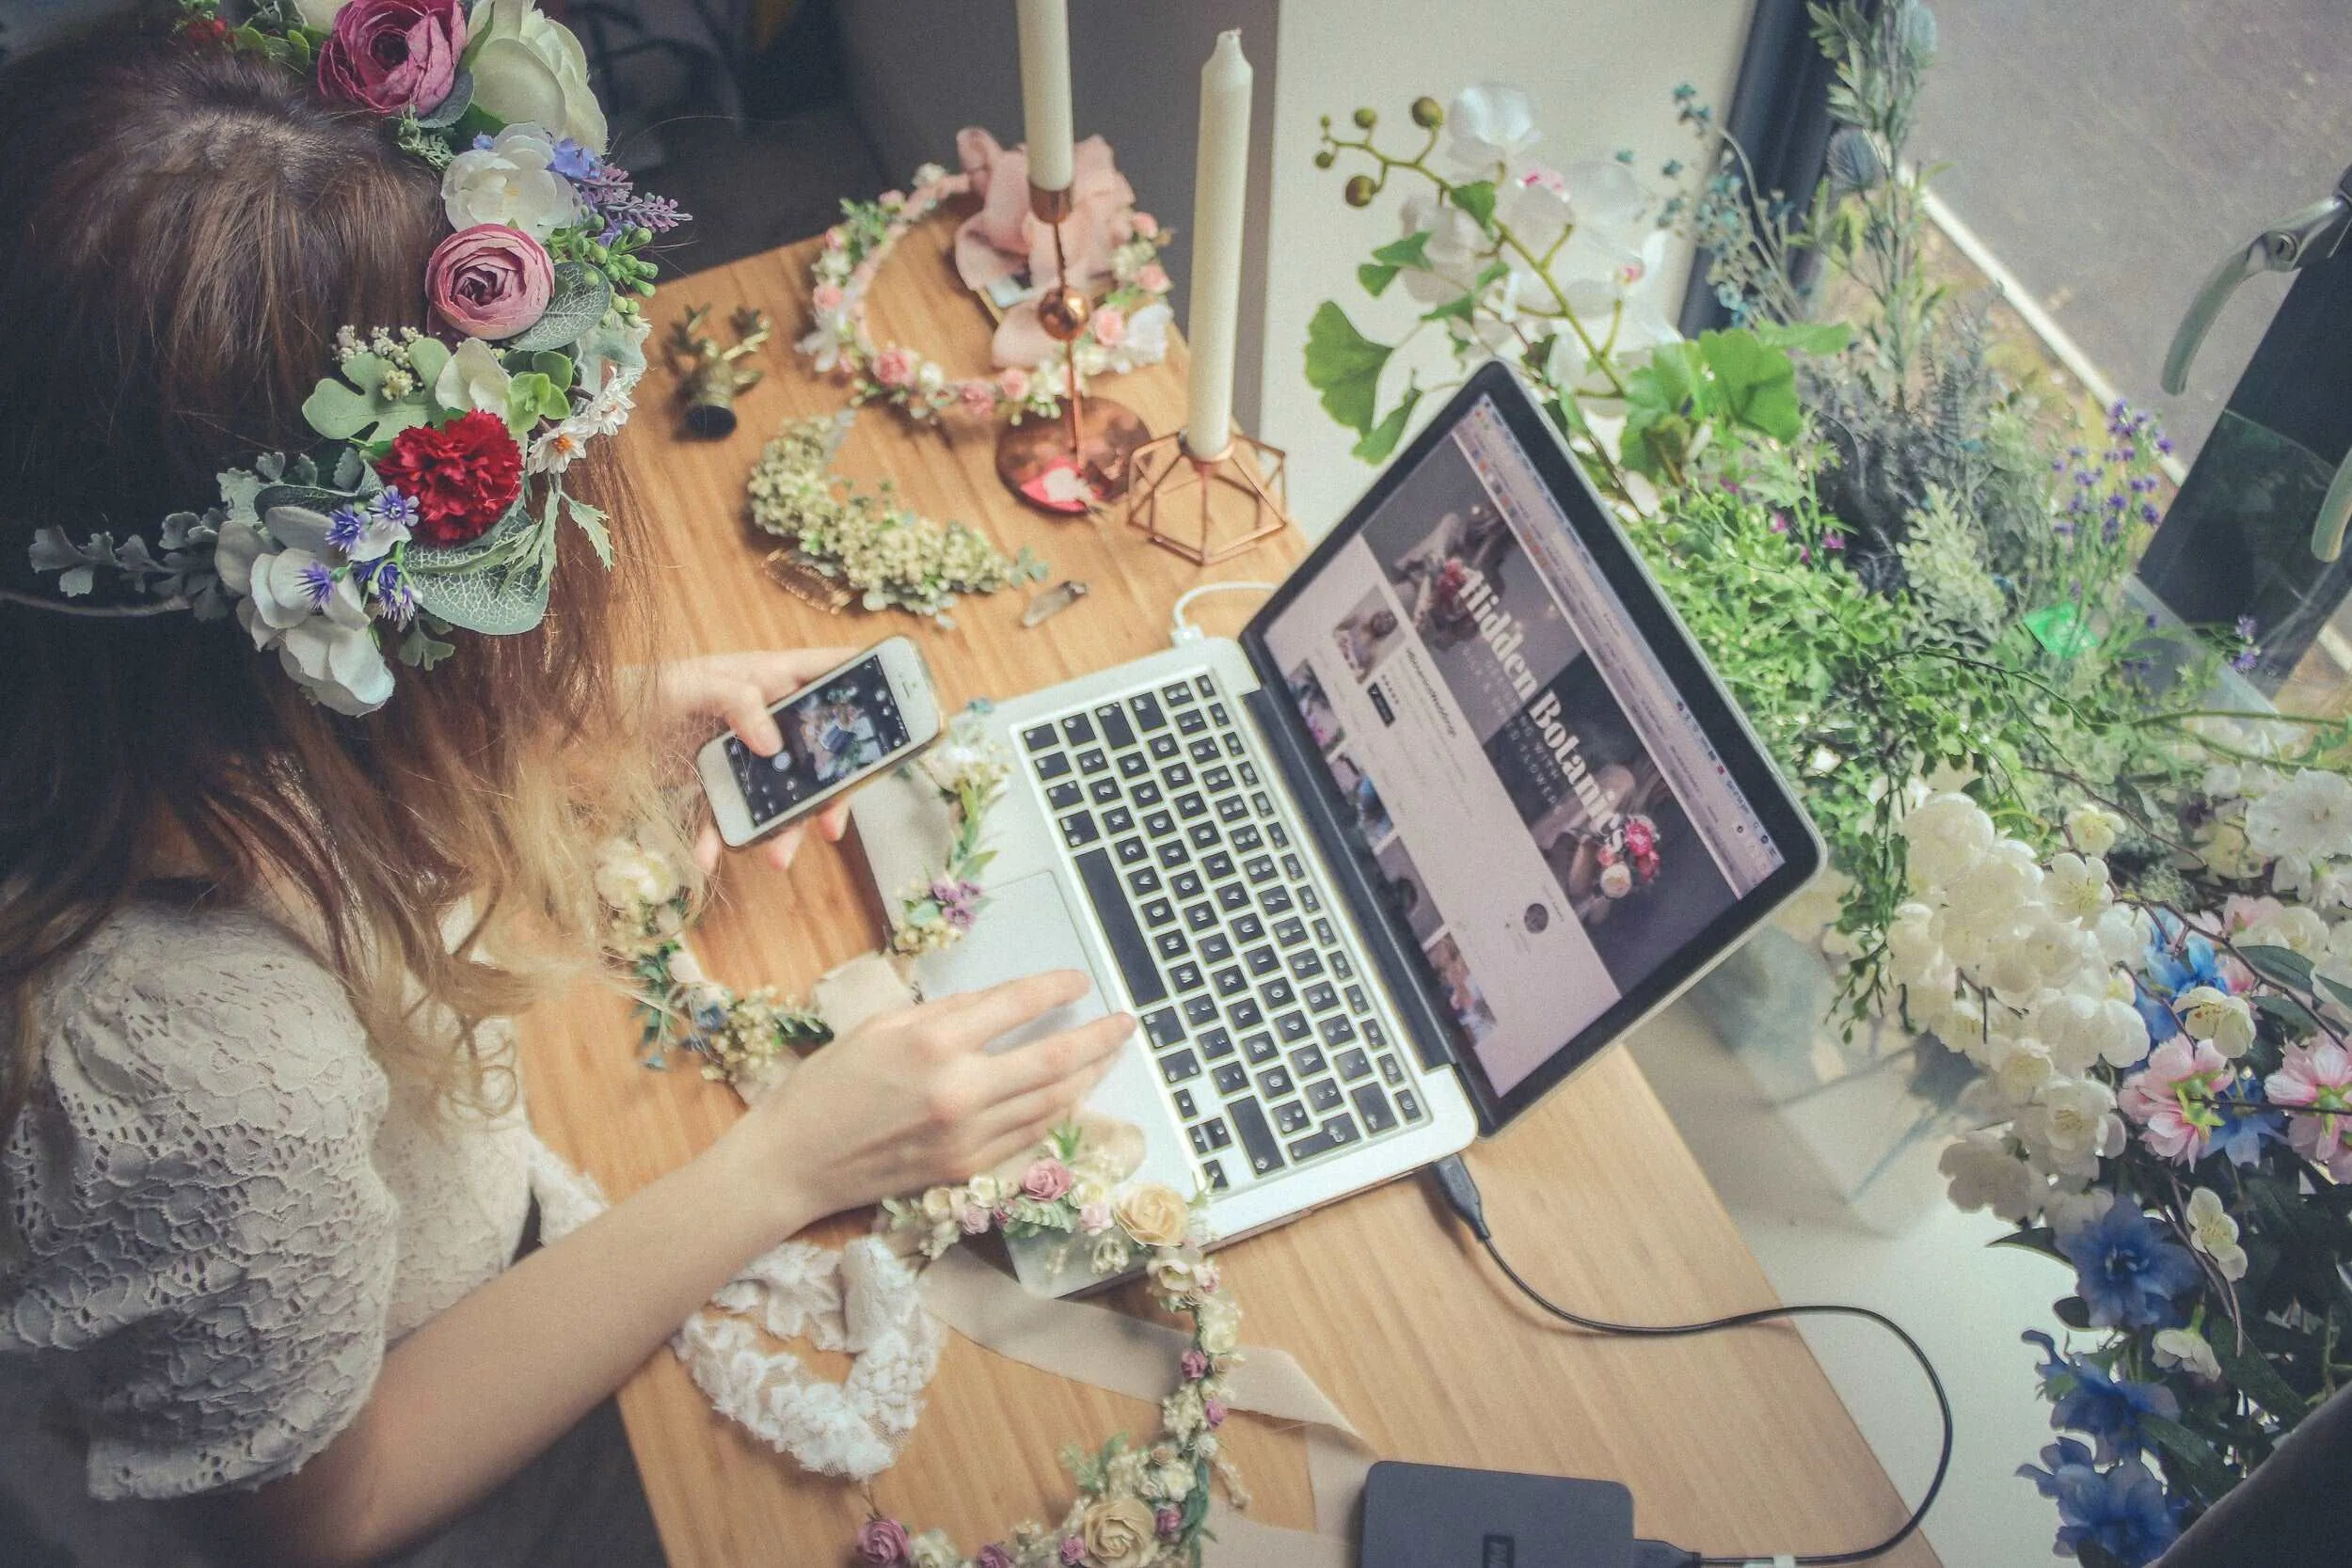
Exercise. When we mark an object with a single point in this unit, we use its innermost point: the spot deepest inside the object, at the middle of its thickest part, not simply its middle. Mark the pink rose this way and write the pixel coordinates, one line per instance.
(881, 1542)
(1195, 1364)
(1145, 224)
(1213, 1412)
(393, 55)
(894, 199)
(1110, 326)
(836, 240)
(1153, 278)
(1046, 1180)
(1014, 382)
(894, 367)
(1073, 1551)
(490, 280)
(1094, 1218)
(975, 1218)
(1167, 1520)
(826, 297)
(993, 1556)
(978, 397)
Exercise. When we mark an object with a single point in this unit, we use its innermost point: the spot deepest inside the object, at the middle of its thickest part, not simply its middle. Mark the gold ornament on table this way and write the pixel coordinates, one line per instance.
(711, 376)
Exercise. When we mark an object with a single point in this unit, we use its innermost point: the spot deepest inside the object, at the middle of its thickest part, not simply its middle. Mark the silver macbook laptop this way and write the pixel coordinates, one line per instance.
(1461, 805)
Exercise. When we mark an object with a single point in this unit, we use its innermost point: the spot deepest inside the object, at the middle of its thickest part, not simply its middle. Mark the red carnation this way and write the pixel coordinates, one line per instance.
(463, 476)
(205, 30)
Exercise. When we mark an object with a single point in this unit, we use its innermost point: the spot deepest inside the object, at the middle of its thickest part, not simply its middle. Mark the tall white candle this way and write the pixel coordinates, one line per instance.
(1045, 91)
(1220, 189)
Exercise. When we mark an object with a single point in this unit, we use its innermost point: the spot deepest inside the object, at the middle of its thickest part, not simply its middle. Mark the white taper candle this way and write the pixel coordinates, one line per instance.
(1220, 193)
(1045, 91)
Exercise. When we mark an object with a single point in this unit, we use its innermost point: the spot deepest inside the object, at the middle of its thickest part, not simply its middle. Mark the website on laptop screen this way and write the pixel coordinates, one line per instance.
(1541, 809)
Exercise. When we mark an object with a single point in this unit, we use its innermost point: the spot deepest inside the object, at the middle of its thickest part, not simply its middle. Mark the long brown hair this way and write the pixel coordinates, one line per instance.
(186, 227)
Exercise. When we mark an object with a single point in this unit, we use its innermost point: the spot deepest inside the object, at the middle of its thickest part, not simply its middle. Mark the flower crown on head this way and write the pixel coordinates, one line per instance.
(433, 500)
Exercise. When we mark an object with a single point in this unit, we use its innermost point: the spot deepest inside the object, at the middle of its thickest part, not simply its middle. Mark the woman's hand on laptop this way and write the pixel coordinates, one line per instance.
(913, 1098)
(696, 695)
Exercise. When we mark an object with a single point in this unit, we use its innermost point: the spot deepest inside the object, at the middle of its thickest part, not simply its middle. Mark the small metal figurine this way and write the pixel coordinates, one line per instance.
(709, 375)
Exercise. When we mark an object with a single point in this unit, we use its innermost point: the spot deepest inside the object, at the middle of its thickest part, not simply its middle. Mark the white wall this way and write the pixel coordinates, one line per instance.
(1602, 73)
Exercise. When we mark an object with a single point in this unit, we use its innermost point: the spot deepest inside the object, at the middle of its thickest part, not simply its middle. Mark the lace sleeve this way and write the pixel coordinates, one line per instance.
(206, 1249)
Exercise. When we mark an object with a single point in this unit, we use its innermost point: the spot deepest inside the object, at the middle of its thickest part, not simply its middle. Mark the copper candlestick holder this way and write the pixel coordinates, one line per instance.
(1238, 493)
(1084, 459)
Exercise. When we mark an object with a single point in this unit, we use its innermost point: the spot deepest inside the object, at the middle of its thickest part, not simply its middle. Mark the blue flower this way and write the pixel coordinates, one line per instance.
(390, 506)
(318, 583)
(2243, 1133)
(344, 529)
(2156, 1013)
(2196, 964)
(2121, 1511)
(395, 596)
(2125, 1270)
(2085, 1399)
(575, 162)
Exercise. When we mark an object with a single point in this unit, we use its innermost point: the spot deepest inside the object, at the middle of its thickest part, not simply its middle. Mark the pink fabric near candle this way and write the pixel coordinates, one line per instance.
(1004, 238)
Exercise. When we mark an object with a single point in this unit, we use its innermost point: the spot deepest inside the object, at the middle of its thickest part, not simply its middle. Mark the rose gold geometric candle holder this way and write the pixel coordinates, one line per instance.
(1208, 509)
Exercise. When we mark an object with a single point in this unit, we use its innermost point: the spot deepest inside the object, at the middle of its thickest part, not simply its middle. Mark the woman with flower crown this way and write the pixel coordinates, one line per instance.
(317, 317)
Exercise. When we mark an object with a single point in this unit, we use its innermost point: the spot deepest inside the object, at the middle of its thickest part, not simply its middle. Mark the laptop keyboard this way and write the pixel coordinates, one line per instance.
(1252, 1001)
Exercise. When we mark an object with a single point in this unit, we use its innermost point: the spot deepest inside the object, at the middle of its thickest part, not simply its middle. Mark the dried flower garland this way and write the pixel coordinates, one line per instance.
(1135, 1507)
(886, 553)
(739, 1034)
(1129, 326)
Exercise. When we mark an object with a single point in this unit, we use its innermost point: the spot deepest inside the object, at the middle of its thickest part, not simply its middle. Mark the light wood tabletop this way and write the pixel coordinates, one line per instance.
(1731, 1443)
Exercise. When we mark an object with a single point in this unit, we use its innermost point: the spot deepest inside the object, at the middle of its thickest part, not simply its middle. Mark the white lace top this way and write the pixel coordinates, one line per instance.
(222, 1213)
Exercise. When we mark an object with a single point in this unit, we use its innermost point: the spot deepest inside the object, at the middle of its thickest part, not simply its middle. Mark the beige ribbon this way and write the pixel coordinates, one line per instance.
(1126, 1356)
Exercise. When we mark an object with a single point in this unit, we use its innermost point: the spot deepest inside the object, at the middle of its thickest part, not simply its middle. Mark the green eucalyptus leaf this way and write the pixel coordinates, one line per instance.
(1344, 366)
(2282, 966)
(427, 356)
(451, 108)
(2250, 1370)
(556, 367)
(1820, 339)
(2290, 1013)
(1381, 439)
(1410, 251)
(1478, 199)
(337, 411)
(1375, 277)
(582, 297)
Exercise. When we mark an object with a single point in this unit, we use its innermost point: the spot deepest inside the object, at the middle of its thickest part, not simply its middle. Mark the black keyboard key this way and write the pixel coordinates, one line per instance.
(1324, 1095)
(1184, 1107)
(1053, 765)
(1132, 851)
(1260, 1048)
(1259, 867)
(1278, 835)
(1257, 1138)
(1294, 1027)
(1177, 692)
(1078, 829)
(1216, 948)
(1219, 779)
(1114, 724)
(1321, 997)
(1118, 819)
(1352, 1063)
(1164, 1027)
(1275, 994)
(1206, 686)
(1276, 1083)
(1176, 776)
(1119, 924)
(1200, 916)
(1204, 750)
(1037, 737)
(1189, 805)
(1214, 1044)
(1133, 764)
(1324, 933)
(1143, 880)
(1185, 884)
(1245, 838)
(1200, 1136)
(1170, 944)
(1375, 1034)
(1191, 720)
(1233, 743)
(1173, 853)
(1064, 795)
(1231, 896)
(1275, 901)
(1248, 928)
(1307, 900)
(1265, 807)
(1307, 1061)
(1290, 931)
(1291, 1116)
(1163, 747)
(1306, 963)
(1218, 1136)
(1230, 1078)
(1158, 824)
(1077, 729)
(1408, 1104)
(1145, 794)
(1216, 712)
(1341, 1128)
(1229, 982)
(1341, 967)
(1159, 911)
(1244, 1014)
(1218, 865)
(1248, 775)
(1104, 791)
(1217, 1179)
(1200, 1010)
(1231, 808)
(1186, 977)
(1147, 712)
(1177, 1066)
(1390, 1071)
(1205, 836)
(1263, 960)
(1357, 1000)
(1336, 1031)
(1304, 1149)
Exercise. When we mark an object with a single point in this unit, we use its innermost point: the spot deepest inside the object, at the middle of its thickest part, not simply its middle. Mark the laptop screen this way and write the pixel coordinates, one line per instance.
(1539, 805)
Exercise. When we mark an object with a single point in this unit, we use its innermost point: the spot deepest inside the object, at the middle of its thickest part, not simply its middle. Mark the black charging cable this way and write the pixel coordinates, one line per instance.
(1461, 1195)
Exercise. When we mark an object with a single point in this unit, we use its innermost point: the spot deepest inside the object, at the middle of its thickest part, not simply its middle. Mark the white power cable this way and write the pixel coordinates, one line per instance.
(1179, 631)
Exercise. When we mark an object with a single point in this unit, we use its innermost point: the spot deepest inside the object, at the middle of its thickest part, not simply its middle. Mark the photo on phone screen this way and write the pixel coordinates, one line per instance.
(830, 732)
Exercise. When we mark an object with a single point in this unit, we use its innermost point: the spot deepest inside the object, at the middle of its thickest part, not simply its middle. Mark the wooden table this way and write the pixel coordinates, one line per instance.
(1731, 1442)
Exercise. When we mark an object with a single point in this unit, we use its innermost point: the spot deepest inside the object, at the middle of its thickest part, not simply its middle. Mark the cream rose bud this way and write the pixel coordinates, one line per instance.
(1120, 1532)
(512, 182)
(530, 68)
(1219, 1321)
(1153, 1213)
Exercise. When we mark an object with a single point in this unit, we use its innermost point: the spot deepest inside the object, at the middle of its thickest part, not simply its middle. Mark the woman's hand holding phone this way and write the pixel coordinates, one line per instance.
(737, 689)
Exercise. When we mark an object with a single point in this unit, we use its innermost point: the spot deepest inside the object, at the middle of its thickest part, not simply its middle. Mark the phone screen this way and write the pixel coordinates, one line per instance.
(831, 731)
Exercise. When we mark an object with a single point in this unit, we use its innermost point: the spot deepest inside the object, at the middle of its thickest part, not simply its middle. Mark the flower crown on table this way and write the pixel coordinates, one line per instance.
(434, 499)
(1129, 327)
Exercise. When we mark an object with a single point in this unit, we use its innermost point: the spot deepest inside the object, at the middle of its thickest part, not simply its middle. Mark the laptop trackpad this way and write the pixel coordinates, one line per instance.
(1023, 929)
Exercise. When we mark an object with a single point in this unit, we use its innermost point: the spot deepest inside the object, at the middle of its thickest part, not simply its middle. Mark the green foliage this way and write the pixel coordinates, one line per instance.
(1344, 366)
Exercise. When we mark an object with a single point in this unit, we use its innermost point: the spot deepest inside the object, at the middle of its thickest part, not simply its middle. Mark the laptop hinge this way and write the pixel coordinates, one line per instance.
(1408, 979)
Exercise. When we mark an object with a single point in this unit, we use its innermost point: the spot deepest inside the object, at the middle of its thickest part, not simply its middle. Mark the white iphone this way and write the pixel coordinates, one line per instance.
(839, 730)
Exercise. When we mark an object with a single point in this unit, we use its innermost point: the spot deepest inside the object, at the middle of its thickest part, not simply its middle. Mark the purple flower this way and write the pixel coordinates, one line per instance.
(1213, 1411)
(393, 593)
(344, 529)
(2122, 1510)
(390, 507)
(1168, 1519)
(1073, 1551)
(991, 1556)
(318, 583)
(958, 901)
(2085, 1399)
(2125, 1270)
(1832, 541)
(1193, 1364)
(882, 1543)
(1780, 523)
(574, 162)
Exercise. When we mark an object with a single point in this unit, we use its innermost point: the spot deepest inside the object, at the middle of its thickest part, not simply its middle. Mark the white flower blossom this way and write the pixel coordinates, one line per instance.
(2071, 1125)
(473, 379)
(2212, 1232)
(2211, 1014)
(1985, 1175)
(2078, 886)
(2308, 815)
(528, 66)
(2093, 828)
(2186, 1349)
(510, 181)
